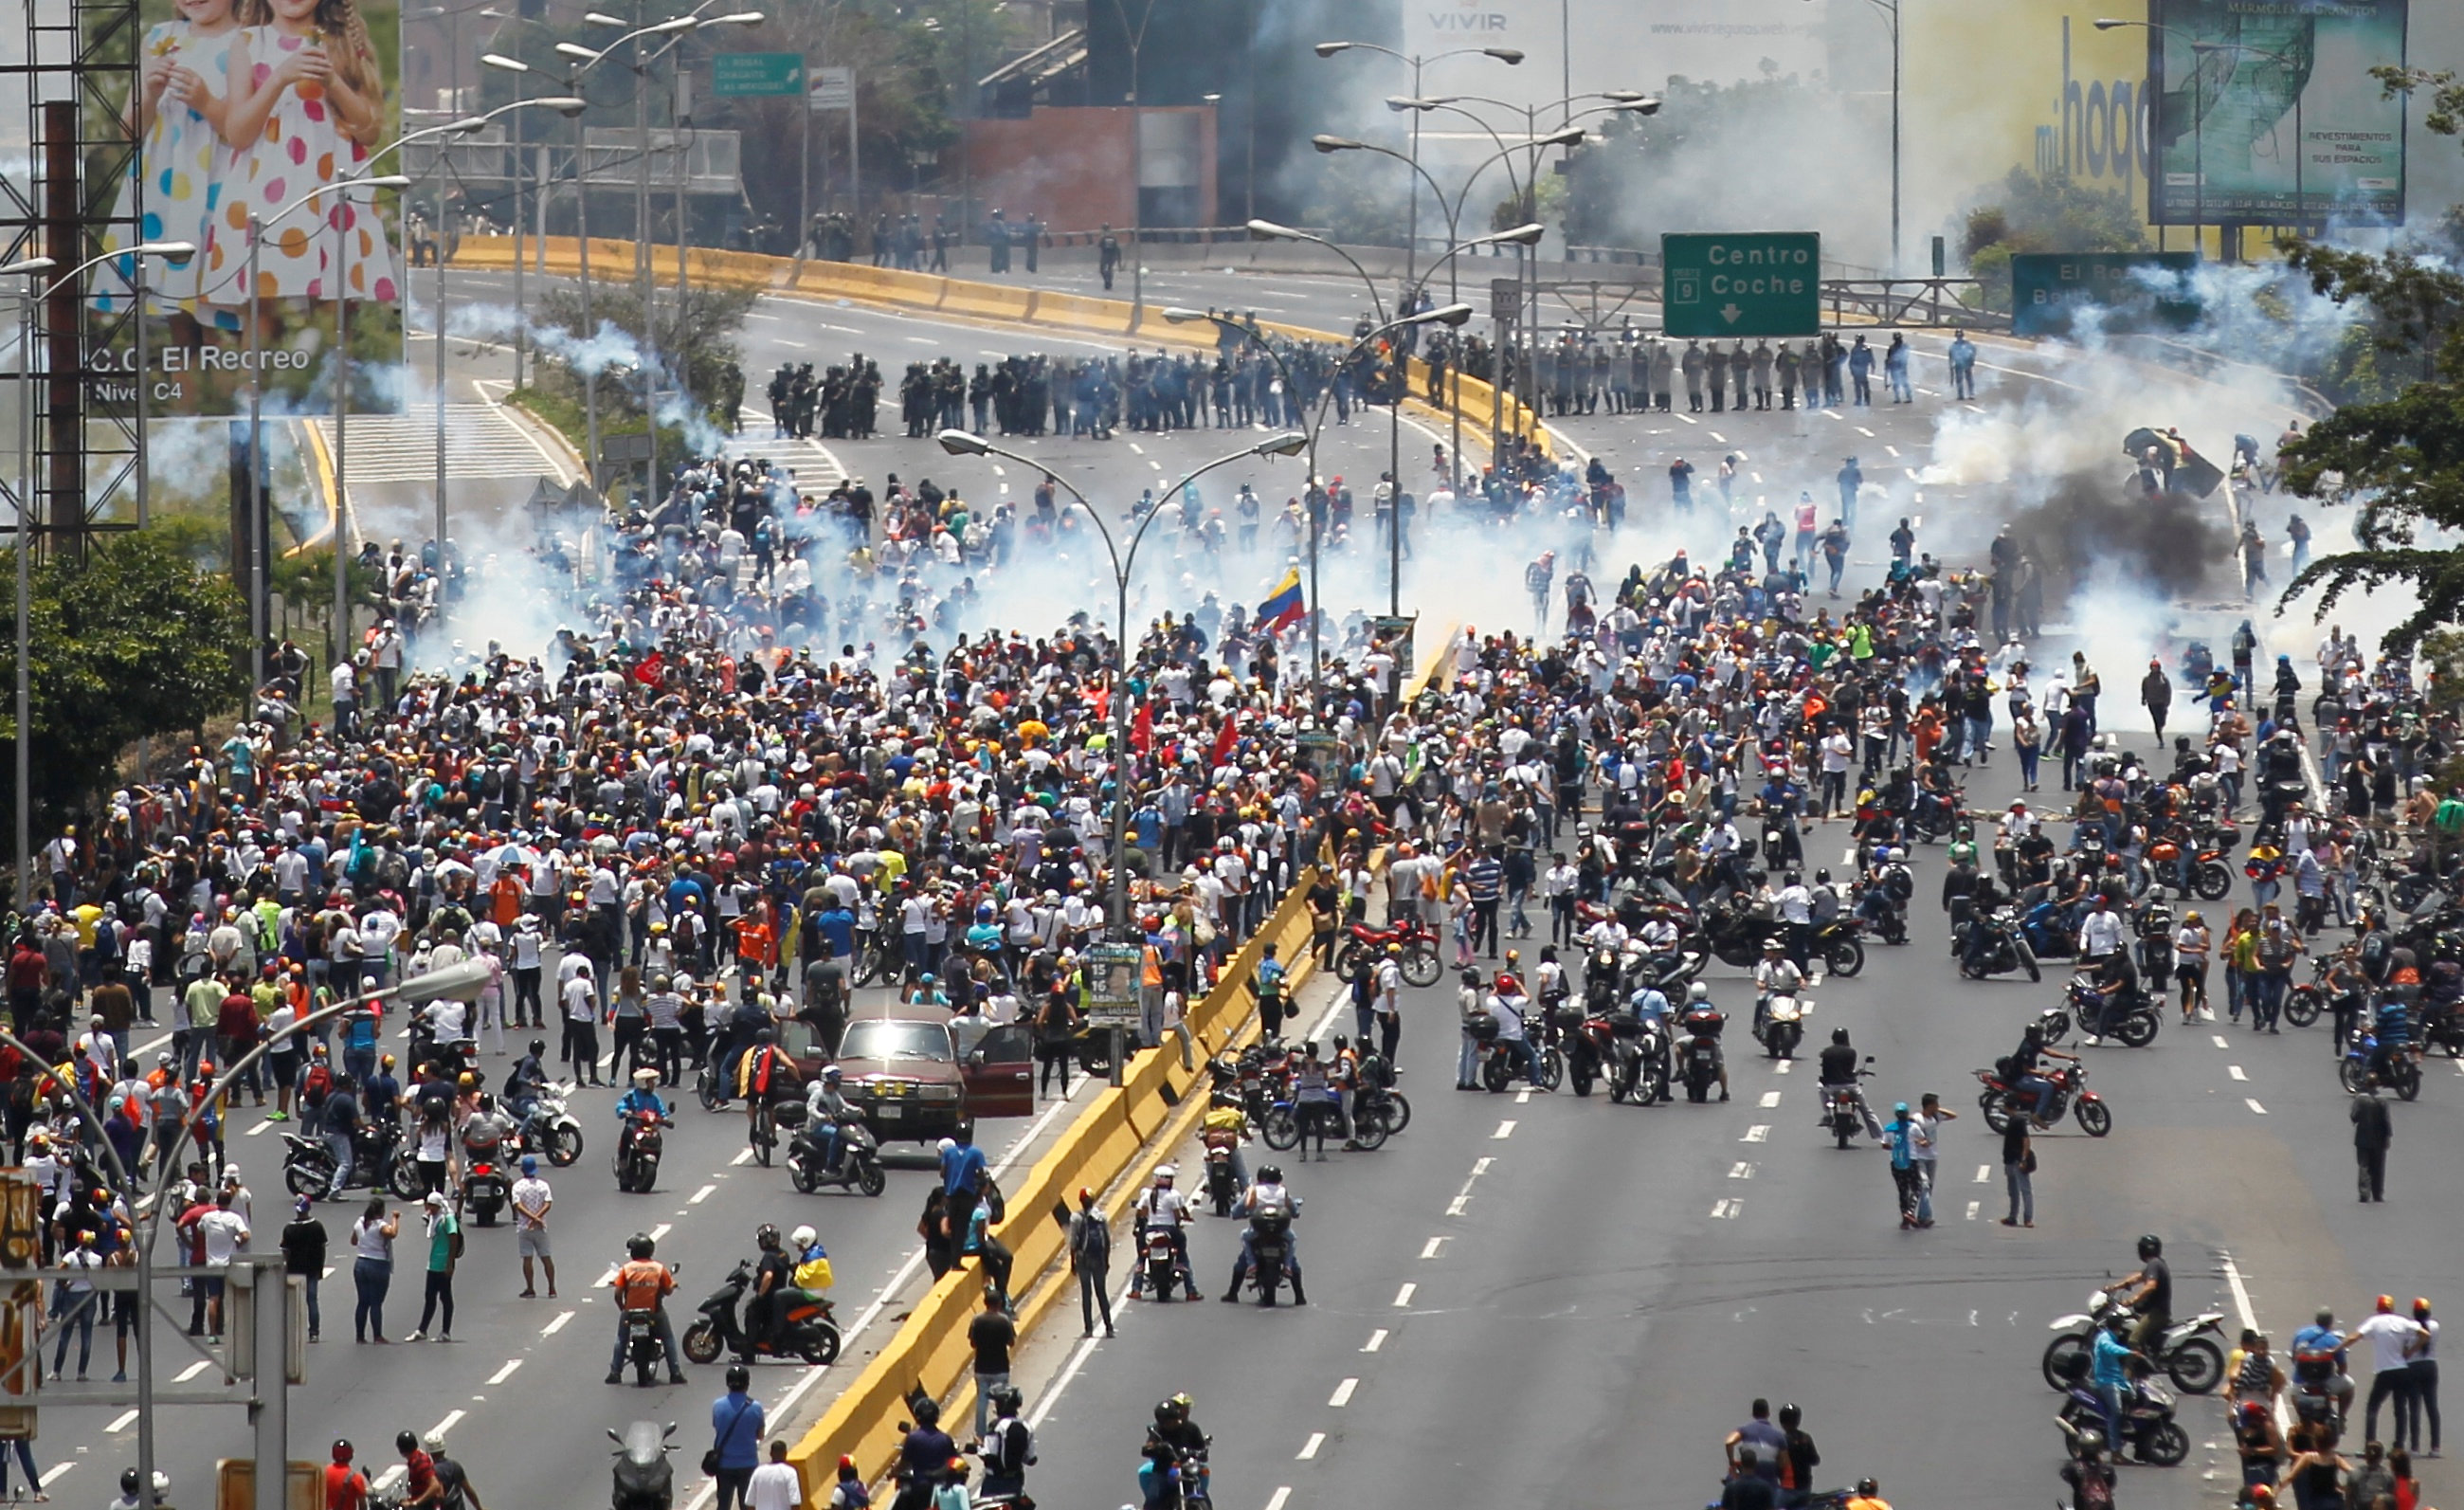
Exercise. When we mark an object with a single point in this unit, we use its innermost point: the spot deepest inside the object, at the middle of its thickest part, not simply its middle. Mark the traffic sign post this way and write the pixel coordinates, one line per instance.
(1742, 283)
(751, 76)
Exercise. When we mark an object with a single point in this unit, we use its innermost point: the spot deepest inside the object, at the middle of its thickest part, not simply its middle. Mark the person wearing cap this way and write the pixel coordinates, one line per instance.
(1161, 1205)
(1091, 1259)
(303, 1253)
(2425, 1384)
(444, 1251)
(533, 1198)
(1898, 1134)
(2392, 1339)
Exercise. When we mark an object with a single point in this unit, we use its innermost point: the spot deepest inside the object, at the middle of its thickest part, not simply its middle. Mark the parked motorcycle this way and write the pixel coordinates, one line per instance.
(1363, 947)
(644, 1478)
(807, 1330)
(859, 1166)
(379, 1161)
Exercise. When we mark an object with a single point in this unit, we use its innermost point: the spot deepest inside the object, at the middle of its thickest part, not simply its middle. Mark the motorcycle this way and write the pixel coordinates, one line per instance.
(1639, 1070)
(486, 1188)
(2397, 1067)
(642, 1350)
(1782, 1017)
(1996, 945)
(1219, 1174)
(1162, 1262)
(2134, 1019)
(2323, 1392)
(1500, 1061)
(1843, 1106)
(638, 1149)
(378, 1161)
(1270, 1247)
(2148, 1429)
(1837, 946)
(550, 1130)
(859, 1166)
(2069, 1093)
(1592, 1047)
(1364, 946)
(1699, 1061)
(2185, 1351)
(644, 1480)
(807, 1330)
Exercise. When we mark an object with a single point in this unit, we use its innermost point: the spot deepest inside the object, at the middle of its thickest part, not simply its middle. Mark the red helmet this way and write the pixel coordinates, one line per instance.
(343, 1450)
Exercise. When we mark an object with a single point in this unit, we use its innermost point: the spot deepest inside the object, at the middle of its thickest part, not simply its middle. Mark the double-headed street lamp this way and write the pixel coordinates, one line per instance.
(965, 443)
(583, 59)
(1452, 315)
(463, 981)
(30, 272)
(1508, 55)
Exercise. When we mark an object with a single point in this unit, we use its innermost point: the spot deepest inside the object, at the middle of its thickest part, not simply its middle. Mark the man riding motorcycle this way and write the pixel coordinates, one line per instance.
(2029, 1088)
(1159, 1205)
(1776, 974)
(2117, 988)
(1269, 1194)
(1839, 1070)
(829, 1106)
(1175, 1430)
(2149, 1293)
(773, 1274)
(644, 1097)
(526, 1079)
(642, 1284)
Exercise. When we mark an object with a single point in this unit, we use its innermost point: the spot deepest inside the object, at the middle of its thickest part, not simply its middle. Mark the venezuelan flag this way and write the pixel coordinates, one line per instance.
(1282, 608)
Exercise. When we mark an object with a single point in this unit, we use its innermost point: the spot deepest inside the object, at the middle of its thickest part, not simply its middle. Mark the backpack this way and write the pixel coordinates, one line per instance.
(454, 1242)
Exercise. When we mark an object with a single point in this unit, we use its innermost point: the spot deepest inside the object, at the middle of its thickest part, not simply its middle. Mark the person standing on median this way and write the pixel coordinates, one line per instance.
(1091, 1259)
(992, 1334)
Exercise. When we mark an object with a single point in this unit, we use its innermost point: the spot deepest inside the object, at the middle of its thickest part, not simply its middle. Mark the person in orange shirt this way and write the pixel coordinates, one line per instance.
(757, 941)
(1928, 732)
(505, 899)
(643, 1283)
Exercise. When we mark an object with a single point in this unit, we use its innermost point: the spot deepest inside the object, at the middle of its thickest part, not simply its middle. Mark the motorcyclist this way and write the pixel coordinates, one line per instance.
(2391, 1025)
(764, 1077)
(484, 1133)
(1009, 1449)
(1268, 1195)
(2149, 1293)
(1178, 1431)
(643, 1283)
(1839, 1069)
(1702, 1020)
(1226, 1126)
(829, 1106)
(644, 1097)
(1160, 1205)
(526, 1079)
(1776, 974)
(2116, 990)
(2029, 1087)
(773, 1273)
(2320, 1367)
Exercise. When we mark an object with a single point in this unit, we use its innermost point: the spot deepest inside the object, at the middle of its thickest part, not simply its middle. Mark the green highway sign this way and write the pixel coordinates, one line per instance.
(1742, 283)
(738, 75)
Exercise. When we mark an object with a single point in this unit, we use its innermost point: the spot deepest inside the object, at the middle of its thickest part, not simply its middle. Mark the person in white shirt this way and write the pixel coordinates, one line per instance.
(532, 1200)
(2393, 1340)
(223, 1233)
(775, 1485)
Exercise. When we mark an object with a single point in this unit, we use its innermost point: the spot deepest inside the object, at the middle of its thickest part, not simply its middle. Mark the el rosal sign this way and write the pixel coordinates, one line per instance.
(1741, 283)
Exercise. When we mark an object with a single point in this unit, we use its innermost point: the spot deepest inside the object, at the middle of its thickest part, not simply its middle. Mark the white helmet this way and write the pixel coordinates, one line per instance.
(803, 1238)
(945, 1146)
(1698, 993)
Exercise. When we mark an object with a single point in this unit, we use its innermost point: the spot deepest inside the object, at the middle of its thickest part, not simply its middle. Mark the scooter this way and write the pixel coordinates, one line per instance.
(1782, 1029)
(644, 1478)
(2147, 1425)
(807, 1330)
(485, 1189)
(637, 1151)
(550, 1130)
(859, 1166)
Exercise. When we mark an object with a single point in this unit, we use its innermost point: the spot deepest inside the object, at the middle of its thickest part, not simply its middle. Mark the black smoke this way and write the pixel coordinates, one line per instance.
(2098, 525)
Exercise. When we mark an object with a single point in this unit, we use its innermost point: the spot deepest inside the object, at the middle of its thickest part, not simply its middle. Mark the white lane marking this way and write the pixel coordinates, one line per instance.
(503, 1374)
(1862, 430)
(1455, 1207)
(1000, 471)
(120, 1422)
(660, 1232)
(1154, 463)
(1689, 419)
(1716, 435)
(768, 320)
(1984, 1174)
(1403, 1296)
(1522, 1097)
(1783, 1066)
(793, 346)
(1973, 1208)
(1137, 449)
(2235, 1070)
(1052, 1396)
(2253, 1104)
(328, 1273)
(1770, 1099)
(2219, 1039)
(1727, 1209)
(1309, 1449)
(557, 1325)
(1377, 1340)
(1505, 1129)
(1283, 1493)
(743, 1156)
(1429, 1249)
(1342, 1395)
(1756, 1133)
(51, 1475)
(702, 1195)
(997, 356)
(1479, 1167)
(924, 341)
(1757, 476)
(2249, 1323)
(1893, 450)
(452, 1419)
(191, 1371)
(1741, 1171)
(258, 1128)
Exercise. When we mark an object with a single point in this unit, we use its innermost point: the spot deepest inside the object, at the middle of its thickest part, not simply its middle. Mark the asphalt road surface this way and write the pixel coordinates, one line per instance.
(1558, 1295)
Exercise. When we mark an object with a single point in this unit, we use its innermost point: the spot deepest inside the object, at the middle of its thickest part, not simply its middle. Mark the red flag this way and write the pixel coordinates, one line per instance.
(1225, 738)
(650, 669)
(1142, 728)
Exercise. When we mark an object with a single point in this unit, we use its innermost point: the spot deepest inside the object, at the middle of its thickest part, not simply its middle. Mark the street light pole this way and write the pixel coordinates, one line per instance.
(1508, 55)
(961, 443)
